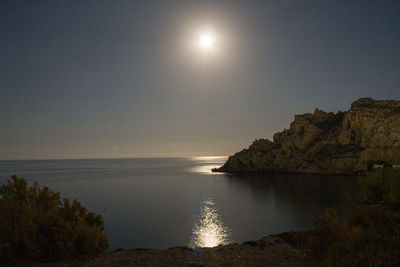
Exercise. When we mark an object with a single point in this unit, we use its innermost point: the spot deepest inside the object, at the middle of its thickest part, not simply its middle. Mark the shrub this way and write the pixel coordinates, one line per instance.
(36, 224)
(329, 243)
(381, 186)
(371, 237)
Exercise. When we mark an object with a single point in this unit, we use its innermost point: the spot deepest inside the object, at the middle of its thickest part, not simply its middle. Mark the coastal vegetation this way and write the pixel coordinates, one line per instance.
(369, 237)
(37, 225)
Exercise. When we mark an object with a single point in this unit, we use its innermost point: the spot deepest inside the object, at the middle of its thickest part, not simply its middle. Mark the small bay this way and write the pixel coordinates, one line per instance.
(164, 202)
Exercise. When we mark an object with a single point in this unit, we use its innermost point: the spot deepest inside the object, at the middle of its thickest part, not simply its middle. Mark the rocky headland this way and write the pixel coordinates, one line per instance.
(364, 137)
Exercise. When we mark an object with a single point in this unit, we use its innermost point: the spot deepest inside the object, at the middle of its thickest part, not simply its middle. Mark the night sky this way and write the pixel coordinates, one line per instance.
(86, 79)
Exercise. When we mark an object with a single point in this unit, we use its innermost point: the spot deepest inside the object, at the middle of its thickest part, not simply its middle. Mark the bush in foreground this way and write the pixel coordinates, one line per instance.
(371, 237)
(36, 224)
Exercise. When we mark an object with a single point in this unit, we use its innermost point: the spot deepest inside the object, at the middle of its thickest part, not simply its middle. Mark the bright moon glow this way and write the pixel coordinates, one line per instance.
(207, 40)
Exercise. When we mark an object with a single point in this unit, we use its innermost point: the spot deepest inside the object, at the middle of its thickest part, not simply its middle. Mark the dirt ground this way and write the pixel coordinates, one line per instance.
(267, 251)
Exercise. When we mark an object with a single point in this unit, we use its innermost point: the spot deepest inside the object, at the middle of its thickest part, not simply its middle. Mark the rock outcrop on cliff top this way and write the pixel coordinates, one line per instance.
(346, 142)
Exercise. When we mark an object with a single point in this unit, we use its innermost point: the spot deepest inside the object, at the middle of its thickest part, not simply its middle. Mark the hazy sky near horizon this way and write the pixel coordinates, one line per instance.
(121, 78)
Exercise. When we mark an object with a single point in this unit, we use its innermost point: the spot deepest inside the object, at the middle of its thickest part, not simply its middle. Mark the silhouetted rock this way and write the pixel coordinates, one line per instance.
(345, 142)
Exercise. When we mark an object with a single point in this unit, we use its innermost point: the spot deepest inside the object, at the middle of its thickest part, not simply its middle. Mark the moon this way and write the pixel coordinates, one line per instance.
(206, 40)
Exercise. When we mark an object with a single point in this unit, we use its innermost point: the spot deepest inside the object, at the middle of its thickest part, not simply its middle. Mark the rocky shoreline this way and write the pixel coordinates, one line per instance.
(365, 137)
(273, 250)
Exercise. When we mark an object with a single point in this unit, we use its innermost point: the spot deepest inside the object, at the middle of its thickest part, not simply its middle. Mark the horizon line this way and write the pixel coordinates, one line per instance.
(127, 157)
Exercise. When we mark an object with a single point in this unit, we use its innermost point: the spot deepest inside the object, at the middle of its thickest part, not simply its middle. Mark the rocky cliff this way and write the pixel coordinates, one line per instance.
(321, 142)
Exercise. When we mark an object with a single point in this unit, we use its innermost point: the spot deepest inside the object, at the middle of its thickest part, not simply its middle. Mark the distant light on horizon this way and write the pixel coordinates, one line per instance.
(207, 163)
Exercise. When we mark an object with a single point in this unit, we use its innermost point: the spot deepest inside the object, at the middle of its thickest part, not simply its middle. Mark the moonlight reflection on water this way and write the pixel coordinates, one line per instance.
(210, 231)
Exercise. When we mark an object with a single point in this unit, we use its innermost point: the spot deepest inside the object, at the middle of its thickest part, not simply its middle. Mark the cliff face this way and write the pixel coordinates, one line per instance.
(345, 142)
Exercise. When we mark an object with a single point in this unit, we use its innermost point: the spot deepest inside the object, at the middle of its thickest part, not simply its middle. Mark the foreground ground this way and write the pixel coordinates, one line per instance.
(267, 251)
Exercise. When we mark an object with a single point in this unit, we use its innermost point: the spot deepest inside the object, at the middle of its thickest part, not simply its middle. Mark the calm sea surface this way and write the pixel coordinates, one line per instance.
(164, 202)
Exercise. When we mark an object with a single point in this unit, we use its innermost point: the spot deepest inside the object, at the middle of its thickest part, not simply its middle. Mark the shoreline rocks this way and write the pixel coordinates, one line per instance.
(272, 250)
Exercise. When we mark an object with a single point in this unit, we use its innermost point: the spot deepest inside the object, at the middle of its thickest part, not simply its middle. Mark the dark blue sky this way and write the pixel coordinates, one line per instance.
(116, 78)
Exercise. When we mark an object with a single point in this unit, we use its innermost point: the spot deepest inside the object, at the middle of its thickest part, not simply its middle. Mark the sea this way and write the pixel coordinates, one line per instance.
(165, 202)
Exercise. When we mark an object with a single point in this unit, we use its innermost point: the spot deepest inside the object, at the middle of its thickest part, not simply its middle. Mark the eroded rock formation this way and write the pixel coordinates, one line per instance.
(321, 142)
